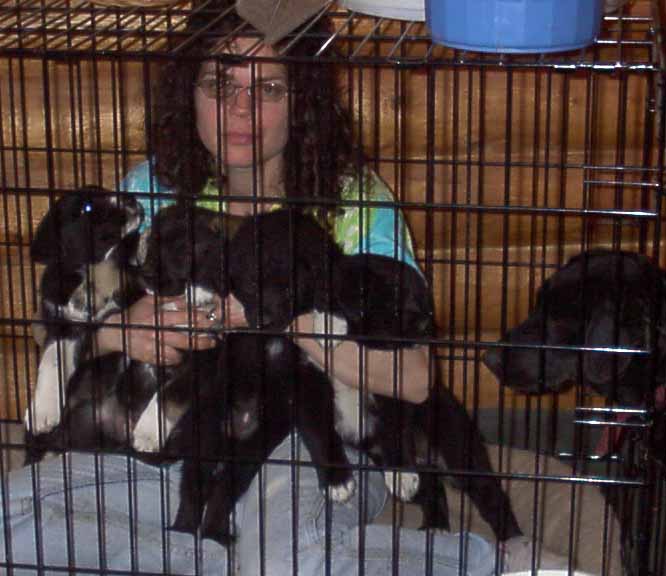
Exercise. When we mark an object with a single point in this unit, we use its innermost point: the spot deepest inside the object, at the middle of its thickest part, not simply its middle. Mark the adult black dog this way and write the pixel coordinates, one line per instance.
(84, 240)
(614, 301)
(295, 267)
(610, 300)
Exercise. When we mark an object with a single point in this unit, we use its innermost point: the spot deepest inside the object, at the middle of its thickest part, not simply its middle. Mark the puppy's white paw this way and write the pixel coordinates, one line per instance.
(146, 438)
(45, 417)
(343, 492)
(407, 484)
(146, 435)
(56, 365)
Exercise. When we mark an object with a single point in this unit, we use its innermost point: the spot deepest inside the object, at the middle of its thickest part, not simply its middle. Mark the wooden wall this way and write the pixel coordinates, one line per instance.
(512, 165)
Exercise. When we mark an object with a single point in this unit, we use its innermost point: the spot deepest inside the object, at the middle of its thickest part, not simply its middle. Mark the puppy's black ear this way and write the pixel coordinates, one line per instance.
(327, 280)
(602, 367)
(319, 269)
(46, 246)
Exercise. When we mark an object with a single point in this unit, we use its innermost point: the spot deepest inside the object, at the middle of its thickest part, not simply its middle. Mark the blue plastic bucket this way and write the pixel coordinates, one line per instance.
(514, 25)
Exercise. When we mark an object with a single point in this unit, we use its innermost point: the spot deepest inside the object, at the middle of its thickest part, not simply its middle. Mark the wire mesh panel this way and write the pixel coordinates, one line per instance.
(504, 167)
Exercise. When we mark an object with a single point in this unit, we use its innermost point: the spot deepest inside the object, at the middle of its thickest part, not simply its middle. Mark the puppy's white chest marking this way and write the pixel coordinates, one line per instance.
(350, 419)
(196, 295)
(343, 492)
(201, 297)
(56, 367)
(275, 348)
(94, 297)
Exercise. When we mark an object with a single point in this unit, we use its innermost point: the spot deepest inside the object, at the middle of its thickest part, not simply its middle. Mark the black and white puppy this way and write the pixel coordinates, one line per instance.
(180, 254)
(84, 240)
(283, 264)
(111, 402)
(265, 388)
(609, 300)
(295, 267)
(105, 398)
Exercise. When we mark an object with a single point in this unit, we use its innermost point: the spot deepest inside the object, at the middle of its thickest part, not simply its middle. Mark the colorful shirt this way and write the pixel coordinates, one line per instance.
(374, 226)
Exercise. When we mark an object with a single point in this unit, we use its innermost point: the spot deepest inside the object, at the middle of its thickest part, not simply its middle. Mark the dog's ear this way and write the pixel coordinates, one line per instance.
(46, 247)
(601, 368)
(327, 280)
(320, 277)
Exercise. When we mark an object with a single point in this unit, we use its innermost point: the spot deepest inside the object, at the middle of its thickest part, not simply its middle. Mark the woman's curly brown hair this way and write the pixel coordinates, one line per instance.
(320, 145)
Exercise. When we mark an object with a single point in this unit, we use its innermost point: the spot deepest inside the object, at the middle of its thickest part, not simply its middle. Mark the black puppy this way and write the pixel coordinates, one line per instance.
(180, 254)
(283, 264)
(295, 268)
(600, 299)
(84, 240)
(265, 388)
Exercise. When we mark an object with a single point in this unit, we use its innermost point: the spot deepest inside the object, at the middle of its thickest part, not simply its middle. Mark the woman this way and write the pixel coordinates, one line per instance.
(241, 137)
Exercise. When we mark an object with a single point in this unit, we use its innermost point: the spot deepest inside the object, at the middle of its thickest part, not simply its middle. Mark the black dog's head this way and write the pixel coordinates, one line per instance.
(600, 299)
(276, 261)
(83, 226)
(185, 247)
(533, 368)
(380, 297)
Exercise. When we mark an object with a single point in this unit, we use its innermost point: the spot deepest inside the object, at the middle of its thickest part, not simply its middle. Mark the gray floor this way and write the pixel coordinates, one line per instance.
(520, 429)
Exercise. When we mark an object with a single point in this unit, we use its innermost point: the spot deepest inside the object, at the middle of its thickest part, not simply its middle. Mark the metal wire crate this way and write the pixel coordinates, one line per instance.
(504, 165)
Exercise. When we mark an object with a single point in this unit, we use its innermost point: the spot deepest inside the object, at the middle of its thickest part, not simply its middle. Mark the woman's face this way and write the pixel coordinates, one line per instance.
(225, 124)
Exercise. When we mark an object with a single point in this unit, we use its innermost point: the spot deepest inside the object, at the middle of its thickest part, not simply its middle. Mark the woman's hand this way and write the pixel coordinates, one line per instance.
(143, 343)
(343, 362)
(234, 313)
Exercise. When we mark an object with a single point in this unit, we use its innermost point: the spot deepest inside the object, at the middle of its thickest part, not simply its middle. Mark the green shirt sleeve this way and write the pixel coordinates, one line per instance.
(373, 224)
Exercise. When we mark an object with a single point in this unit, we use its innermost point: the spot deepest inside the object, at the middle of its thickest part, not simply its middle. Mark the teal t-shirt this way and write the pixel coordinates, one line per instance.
(374, 227)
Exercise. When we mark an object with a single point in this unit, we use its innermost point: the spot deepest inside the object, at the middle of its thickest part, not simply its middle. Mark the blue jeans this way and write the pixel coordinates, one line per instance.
(110, 512)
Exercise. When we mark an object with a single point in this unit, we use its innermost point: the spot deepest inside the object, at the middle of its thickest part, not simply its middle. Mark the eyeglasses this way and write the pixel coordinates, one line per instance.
(269, 91)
